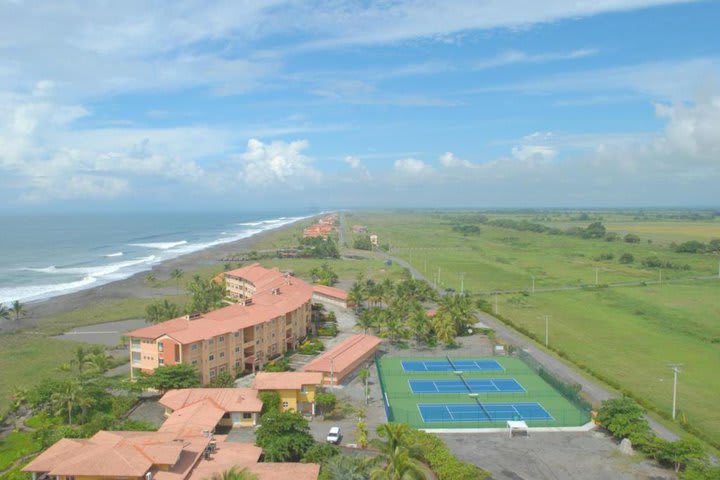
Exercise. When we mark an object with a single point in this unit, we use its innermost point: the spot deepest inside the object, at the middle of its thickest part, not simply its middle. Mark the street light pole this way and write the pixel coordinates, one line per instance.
(676, 369)
(547, 328)
(462, 283)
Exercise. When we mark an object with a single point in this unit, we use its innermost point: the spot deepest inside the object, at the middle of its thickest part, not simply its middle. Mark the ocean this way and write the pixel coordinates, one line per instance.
(42, 256)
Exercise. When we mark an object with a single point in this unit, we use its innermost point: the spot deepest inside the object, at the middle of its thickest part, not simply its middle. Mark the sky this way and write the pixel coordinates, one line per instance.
(272, 104)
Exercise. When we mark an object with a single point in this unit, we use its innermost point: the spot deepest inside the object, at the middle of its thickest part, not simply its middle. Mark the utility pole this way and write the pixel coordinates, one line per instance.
(660, 275)
(462, 283)
(438, 281)
(676, 369)
(533, 284)
(426, 265)
(547, 328)
(496, 305)
(597, 273)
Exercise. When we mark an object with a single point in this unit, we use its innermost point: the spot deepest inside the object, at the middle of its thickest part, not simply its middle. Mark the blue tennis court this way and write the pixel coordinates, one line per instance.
(482, 412)
(471, 385)
(456, 365)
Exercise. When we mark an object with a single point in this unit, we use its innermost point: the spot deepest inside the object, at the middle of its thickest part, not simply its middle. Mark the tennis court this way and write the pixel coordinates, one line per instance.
(445, 392)
(482, 412)
(451, 366)
(472, 385)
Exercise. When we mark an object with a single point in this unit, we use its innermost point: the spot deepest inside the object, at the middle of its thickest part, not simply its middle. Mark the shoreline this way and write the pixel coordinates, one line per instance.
(135, 286)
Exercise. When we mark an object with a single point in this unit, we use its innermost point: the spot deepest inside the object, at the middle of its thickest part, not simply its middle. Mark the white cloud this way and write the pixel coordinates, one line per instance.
(533, 152)
(412, 167)
(279, 162)
(449, 160)
(357, 166)
(511, 57)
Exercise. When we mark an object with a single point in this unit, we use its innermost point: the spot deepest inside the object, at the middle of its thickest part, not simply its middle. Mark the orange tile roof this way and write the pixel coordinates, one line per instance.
(330, 292)
(292, 294)
(286, 380)
(195, 419)
(228, 399)
(344, 354)
(246, 455)
(111, 454)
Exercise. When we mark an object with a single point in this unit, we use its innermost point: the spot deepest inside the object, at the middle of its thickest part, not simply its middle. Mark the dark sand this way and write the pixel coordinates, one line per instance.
(135, 286)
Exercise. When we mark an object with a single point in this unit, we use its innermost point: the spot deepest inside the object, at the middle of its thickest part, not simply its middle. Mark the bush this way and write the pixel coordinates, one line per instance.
(311, 346)
(325, 401)
(440, 460)
(362, 243)
(693, 246)
(222, 380)
(631, 238)
(626, 258)
(279, 365)
(320, 453)
(604, 256)
(330, 330)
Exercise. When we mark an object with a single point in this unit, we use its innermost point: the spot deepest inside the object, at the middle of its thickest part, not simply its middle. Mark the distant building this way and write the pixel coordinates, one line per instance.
(374, 240)
(272, 314)
(333, 295)
(323, 228)
(342, 360)
(240, 406)
(359, 229)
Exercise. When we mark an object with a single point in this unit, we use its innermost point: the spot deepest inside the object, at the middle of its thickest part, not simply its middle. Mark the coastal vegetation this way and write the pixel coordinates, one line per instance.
(608, 309)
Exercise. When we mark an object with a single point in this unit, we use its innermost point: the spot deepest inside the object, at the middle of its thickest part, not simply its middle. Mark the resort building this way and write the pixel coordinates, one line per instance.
(323, 228)
(240, 407)
(272, 315)
(296, 389)
(339, 362)
(184, 448)
(336, 296)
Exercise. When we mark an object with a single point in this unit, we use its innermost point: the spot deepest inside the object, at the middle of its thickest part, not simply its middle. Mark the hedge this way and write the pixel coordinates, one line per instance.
(441, 461)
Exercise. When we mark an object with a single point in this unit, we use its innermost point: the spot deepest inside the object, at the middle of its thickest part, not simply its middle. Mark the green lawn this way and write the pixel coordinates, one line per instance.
(15, 446)
(627, 334)
(404, 403)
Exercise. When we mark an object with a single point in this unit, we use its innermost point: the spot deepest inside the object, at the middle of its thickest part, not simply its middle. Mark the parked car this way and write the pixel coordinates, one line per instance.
(334, 435)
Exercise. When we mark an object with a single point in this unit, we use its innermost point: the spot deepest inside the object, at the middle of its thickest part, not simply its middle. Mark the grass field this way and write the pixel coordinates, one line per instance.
(404, 403)
(628, 334)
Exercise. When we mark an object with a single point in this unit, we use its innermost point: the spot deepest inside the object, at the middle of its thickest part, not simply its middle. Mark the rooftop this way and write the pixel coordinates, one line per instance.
(286, 380)
(227, 399)
(330, 291)
(276, 294)
(344, 354)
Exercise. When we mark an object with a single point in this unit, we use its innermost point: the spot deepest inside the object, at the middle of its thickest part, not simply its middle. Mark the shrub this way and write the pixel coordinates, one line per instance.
(320, 453)
(631, 238)
(693, 246)
(627, 258)
(271, 402)
(439, 458)
(311, 347)
(222, 380)
(328, 330)
(279, 365)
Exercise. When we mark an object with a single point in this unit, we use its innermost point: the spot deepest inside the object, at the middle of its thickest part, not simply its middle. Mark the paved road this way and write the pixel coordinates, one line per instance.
(595, 392)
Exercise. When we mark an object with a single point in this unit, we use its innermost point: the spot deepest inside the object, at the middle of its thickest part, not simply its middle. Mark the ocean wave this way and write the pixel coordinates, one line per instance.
(116, 254)
(96, 271)
(38, 292)
(160, 245)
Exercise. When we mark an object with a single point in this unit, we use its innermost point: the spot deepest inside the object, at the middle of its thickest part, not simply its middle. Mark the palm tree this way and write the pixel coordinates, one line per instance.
(348, 467)
(356, 296)
(365, 320)
(4, 312)
(98, 363)
(444, 327)
(17, 309)
(150, 279)
(400, 461)
(66, 398)
(81, 357)
(364, 375)
(177, 275)
(234, 473)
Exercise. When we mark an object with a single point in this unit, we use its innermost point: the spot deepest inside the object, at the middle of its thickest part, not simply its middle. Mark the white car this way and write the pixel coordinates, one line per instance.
(334, 435)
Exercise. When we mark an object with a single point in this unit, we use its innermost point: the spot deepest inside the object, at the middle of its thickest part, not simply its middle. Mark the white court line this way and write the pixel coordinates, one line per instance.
(449, 412)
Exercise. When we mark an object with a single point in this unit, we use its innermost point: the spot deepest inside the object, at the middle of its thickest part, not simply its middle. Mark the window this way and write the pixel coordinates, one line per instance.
(162, 361)
(237, 334)
(194, 362)
(194, 346)
(212, 373)
(212, 341)
(237, 349)
(160, 347)
(222, 354)
(286, 404)
(211, 357)
(221, 338)
(222, 369)
(247, 415)
(237, 364)
(303, 389)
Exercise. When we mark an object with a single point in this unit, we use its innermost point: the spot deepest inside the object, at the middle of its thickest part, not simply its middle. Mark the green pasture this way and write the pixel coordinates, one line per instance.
(403, 402)
(626, 334)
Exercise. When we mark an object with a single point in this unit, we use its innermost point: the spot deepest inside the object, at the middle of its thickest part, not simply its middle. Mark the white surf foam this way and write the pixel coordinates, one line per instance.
(160, 245)
(116, 254)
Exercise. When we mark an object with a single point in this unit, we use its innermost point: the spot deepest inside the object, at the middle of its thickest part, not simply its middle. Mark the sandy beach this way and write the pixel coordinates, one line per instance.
(135, 286)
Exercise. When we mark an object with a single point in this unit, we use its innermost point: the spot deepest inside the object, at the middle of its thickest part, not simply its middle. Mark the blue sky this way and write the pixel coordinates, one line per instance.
(235, 105)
